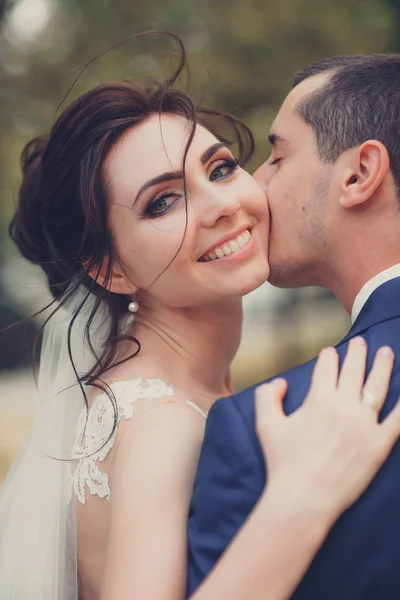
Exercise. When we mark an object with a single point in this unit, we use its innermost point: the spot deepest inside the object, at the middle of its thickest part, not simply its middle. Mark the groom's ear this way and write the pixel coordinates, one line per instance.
(368, 166)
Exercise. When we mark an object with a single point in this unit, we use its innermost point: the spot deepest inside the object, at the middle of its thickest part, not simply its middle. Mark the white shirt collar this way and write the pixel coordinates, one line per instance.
(371, 286)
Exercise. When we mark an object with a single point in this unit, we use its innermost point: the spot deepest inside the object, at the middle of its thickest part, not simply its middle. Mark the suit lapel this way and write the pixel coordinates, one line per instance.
(382, 305)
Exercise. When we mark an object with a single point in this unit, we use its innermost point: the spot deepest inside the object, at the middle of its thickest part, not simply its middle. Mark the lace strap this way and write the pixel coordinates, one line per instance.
(97, 430)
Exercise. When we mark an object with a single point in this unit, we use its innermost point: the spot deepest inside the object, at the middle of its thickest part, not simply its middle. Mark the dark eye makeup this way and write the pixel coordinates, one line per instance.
(166, 201)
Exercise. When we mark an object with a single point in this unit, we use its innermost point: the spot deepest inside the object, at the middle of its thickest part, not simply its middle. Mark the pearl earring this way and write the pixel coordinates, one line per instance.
(133, 306)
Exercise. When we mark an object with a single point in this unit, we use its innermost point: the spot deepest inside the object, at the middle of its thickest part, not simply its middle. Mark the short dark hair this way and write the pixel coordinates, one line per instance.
(360, 101)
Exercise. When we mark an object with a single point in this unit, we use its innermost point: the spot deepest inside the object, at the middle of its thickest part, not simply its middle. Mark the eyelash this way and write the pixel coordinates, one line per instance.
(231, 163)
(275, 161)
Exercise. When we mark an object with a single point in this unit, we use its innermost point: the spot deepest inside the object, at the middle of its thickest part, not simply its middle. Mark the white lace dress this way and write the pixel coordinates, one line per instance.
(98, 427)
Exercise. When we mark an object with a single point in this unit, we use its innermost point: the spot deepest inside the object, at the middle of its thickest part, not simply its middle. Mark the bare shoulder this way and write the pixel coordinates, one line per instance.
(154, 465)
(157, 453)
(169, 420)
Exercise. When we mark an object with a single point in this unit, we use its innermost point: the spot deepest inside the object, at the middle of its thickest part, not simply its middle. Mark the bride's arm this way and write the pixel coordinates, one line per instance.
(151, 481)
(320, 459)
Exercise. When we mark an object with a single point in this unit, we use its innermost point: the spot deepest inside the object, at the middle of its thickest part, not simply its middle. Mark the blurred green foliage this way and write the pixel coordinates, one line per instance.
(242, 55)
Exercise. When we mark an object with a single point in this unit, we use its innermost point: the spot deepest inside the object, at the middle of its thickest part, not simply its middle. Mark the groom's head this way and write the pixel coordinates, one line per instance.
(333, 177)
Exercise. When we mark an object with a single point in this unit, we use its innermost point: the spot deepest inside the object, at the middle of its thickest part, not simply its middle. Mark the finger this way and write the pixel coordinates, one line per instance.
(390, 427)
(377, 385)
(325, 374)
(352, 374)
(268, 399)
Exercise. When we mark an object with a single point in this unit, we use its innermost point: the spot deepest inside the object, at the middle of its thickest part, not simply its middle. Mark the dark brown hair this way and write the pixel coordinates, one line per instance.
(61, 221)
(359, 101)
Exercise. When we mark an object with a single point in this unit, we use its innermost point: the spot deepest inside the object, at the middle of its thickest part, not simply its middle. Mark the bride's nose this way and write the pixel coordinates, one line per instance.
(218, 204)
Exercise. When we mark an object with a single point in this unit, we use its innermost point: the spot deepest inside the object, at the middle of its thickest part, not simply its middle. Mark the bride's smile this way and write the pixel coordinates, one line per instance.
(230, 245)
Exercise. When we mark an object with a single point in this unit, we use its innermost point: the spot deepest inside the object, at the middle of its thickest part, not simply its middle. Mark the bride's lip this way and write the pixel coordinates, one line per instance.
(229, 237)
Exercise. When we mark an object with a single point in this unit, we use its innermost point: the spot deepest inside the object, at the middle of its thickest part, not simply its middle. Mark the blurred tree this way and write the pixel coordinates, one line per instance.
(4, 6)
(394, 5)
(17, 342)
(242, 54)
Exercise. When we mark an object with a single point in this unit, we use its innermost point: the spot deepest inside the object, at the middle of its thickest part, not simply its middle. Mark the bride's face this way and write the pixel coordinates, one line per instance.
(213, 247)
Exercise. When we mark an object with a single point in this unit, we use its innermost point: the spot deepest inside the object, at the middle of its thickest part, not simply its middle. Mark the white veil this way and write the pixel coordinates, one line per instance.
(38, 553)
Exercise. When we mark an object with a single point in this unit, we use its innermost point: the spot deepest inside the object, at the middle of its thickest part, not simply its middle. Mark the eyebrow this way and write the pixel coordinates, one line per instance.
(174, 175)
(205, 157)
(273, 138)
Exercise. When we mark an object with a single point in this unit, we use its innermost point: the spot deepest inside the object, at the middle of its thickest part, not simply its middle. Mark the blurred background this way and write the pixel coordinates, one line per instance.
(242, 56)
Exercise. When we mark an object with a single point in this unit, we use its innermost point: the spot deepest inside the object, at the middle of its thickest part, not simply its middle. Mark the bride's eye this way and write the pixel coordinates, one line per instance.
(162, 204)
(223, 169)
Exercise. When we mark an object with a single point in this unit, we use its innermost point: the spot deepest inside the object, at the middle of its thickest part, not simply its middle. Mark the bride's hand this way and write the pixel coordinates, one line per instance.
(326, 453)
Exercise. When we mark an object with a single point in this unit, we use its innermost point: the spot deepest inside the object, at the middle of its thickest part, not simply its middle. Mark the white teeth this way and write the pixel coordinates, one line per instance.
(228, 248)
(241, 241)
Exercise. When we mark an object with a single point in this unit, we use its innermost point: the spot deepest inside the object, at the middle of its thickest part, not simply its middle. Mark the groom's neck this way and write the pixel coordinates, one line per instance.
(352, 278)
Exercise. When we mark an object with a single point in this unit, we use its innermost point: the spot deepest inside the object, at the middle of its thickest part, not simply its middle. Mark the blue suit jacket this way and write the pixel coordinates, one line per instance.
(360, 559)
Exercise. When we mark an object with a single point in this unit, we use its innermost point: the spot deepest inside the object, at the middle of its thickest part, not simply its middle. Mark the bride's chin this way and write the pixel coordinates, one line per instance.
(254, 282)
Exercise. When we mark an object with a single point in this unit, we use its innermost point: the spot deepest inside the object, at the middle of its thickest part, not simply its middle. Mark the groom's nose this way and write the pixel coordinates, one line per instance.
(262, 175)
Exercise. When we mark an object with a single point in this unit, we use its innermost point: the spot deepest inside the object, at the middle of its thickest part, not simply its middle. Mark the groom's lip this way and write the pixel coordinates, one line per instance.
(270, 218)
